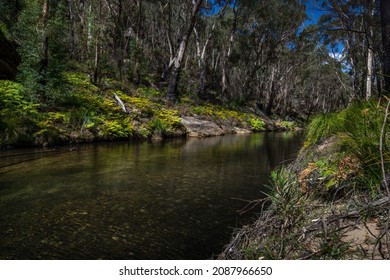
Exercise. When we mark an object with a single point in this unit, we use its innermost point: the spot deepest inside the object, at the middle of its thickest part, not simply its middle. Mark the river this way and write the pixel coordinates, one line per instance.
(175, 199)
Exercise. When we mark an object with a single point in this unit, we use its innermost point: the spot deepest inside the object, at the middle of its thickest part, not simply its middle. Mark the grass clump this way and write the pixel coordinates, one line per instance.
(358, 130)
(285, 195)
(323, 126)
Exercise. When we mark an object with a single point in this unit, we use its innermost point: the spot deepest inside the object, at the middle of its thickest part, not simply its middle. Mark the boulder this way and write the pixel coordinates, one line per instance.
(238, 130)
(201, 128)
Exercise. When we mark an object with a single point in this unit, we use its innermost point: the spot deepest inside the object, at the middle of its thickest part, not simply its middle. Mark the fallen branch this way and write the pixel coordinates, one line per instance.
(120, 102)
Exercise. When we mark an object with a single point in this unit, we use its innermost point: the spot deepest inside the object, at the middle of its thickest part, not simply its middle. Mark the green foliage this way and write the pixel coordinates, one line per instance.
(141, 106)
(256, 124)
(327, 170)
(43, 80)
(80, 82)
(285, 195)
(289, 124)
(359, 129)
(4, 31)
(362, 131)
(165, 121)
(323, 126)
(116, 129)
(149, 92)
(16, 113)
(51, 127)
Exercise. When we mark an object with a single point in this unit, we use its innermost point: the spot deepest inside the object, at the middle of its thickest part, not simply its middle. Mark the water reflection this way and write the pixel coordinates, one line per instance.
(175, 199)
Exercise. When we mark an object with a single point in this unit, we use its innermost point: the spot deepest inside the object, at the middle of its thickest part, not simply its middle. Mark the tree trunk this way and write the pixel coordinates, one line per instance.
(385, 21)
(202, 93)
(271, 93)
(370, 52)
(201, 54)
(72, 29)
(227, 54)
(45, 38)
(175, 75)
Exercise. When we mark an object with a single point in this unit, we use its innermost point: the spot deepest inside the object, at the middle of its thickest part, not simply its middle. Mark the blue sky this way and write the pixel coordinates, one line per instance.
(313, 11)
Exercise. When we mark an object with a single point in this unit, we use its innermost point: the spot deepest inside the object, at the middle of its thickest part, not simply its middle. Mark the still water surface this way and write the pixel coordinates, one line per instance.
(176, 199)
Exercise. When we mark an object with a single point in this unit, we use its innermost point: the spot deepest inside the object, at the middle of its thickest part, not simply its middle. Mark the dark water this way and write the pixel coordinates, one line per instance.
(176, 199)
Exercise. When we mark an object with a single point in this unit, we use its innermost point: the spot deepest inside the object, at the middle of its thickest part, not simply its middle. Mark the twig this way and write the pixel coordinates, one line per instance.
(384, 175)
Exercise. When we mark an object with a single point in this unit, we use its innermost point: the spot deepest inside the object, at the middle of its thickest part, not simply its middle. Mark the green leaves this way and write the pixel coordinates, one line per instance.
(16, 113)
(358, 130)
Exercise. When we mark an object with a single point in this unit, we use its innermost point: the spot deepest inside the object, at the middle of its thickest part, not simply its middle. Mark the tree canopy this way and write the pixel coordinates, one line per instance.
(232, 52)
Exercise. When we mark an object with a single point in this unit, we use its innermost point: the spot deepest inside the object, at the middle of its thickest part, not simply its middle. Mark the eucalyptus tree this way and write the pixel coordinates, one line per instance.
(354, 24)
(385, 23)
(178, 59)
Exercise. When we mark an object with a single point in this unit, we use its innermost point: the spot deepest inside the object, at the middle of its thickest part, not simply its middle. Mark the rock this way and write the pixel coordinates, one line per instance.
(238, 130)
(201, 128)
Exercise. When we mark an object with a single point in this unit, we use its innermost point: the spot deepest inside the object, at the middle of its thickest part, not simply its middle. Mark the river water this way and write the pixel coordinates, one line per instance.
(176, 199)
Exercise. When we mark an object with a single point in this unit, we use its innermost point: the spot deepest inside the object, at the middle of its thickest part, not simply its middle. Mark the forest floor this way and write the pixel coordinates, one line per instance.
(316, 210)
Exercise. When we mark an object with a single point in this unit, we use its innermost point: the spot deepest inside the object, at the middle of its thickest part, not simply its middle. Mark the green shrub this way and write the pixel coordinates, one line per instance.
(51, 127)
(256, 124)
(285, 195)
(165, 121)
(17, 114)
(112, 129)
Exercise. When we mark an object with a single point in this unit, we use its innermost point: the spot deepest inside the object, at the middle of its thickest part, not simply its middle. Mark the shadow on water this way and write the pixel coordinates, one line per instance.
(175, 199)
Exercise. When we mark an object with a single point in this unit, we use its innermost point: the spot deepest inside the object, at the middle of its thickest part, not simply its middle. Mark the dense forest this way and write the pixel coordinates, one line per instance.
(265, 55)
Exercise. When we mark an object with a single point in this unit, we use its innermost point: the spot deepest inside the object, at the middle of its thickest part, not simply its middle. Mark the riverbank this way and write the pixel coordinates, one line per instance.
(113, 112)
(332, 201)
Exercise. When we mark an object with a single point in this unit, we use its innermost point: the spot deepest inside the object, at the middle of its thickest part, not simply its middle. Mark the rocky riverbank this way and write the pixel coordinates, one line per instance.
(113, 112)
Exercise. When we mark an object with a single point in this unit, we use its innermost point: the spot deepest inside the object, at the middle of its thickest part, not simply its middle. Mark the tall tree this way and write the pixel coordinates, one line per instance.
(385, 22)
(178, 64)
